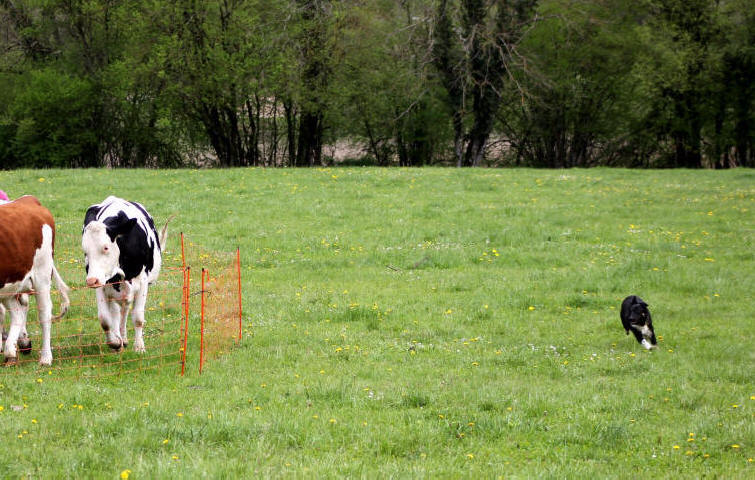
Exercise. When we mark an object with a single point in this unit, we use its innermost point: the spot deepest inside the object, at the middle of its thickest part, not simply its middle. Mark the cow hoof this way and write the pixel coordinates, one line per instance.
(10, 361)
(45, 362)
(116, 346)
(24, 346)
(139, 349)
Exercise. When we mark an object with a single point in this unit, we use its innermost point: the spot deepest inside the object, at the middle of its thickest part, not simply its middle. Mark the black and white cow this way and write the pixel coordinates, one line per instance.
(123, 257)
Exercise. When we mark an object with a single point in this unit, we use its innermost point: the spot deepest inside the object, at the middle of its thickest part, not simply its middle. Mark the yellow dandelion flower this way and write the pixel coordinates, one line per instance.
(166, 441)
(333, 421)
(530, 308)
(39, 380)
(179, 414)
(735, 446)
(677, 447)
(33, 420)
(470, 456)
(125, 474)
(174, 457)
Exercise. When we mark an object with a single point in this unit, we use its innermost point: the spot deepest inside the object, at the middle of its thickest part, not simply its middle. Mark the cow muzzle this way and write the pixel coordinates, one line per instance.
(93, 282)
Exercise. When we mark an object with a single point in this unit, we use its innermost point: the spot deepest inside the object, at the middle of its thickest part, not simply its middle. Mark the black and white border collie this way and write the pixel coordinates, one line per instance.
(635, 317)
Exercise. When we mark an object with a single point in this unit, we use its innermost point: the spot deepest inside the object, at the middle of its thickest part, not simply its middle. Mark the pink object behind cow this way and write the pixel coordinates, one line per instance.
(4, 196)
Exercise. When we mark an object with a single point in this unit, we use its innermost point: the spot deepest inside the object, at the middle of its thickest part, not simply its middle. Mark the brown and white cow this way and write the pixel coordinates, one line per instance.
(27, 239)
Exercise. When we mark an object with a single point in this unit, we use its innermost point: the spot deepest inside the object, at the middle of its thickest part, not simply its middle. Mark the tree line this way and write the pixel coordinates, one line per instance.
(549, 83)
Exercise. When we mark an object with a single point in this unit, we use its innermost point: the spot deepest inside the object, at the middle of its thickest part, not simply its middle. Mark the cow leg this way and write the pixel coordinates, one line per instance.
(2, 318)
(17, 314)
(109, 312)
(44, 309)
(140, 301)
(125, 309)
(114, 339)
(41, 278)
(24, 343)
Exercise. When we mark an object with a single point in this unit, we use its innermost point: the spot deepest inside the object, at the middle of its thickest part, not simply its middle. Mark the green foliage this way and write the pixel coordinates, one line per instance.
(50, 120)
(571, 106)
(386, 96)
(659, 83)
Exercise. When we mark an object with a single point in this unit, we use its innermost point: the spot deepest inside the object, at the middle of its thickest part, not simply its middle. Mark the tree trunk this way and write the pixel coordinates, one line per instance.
(290, 113)
(309, 149)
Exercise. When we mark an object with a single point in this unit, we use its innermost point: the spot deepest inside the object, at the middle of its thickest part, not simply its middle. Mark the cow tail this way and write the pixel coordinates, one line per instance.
(164, 232)
(63, 288)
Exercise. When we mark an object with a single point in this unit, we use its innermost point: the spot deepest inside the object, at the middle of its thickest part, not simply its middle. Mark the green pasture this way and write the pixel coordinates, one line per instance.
(431, 323)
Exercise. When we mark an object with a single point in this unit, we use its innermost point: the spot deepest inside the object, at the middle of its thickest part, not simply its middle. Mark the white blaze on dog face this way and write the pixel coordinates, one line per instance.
(101, 254)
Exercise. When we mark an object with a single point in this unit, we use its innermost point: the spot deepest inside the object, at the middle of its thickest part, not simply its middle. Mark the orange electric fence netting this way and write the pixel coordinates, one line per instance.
(172, 332)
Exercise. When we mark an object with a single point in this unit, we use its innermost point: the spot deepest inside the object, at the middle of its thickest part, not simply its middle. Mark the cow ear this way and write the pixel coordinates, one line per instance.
(121, 229)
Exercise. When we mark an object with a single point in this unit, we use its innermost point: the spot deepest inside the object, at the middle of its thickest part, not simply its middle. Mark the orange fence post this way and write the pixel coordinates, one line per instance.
(238, 269)
(201, 327)
(183, 256)
(187, 283)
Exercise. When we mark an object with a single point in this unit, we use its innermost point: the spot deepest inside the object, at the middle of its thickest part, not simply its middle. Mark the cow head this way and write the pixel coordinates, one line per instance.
(101, 250)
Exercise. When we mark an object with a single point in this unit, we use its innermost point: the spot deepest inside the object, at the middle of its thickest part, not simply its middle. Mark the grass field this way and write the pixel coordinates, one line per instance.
(425, 323)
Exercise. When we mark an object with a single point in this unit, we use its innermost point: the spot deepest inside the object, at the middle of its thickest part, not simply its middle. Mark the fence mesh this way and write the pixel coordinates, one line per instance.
(174, 339)
(220, 314)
